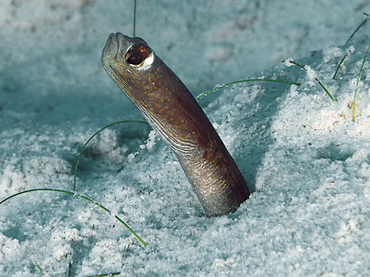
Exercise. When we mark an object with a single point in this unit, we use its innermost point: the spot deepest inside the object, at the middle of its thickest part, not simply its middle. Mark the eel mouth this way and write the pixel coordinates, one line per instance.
(134, 52)
(110, 49)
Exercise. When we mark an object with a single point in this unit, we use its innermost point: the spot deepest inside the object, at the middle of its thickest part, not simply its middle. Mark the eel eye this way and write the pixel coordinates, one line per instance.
(138, 55)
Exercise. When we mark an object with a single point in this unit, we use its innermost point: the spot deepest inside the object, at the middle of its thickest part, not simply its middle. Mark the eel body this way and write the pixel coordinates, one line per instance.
(175, 115)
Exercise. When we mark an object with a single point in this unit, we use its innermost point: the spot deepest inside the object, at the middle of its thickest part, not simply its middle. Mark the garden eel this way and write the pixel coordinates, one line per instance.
(175, 115)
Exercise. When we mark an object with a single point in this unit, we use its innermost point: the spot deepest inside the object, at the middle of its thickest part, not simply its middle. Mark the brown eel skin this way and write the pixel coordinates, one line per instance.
(175, 115)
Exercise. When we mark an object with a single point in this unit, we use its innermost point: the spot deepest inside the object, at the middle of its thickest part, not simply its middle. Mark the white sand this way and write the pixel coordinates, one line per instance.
(302, 155)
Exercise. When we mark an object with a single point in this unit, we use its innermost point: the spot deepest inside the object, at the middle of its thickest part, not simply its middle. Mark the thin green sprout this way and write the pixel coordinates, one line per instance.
(317, 79)
(340, 65)
(134, 27)
(346, 55)
(83, 148)
(106, 275)
(363, 22)
(78, 195)
(243, 81)
(37, 267)
(358, 83)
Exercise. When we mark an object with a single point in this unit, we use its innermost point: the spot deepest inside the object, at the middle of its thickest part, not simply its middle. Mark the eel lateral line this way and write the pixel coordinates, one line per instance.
(175, 115)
